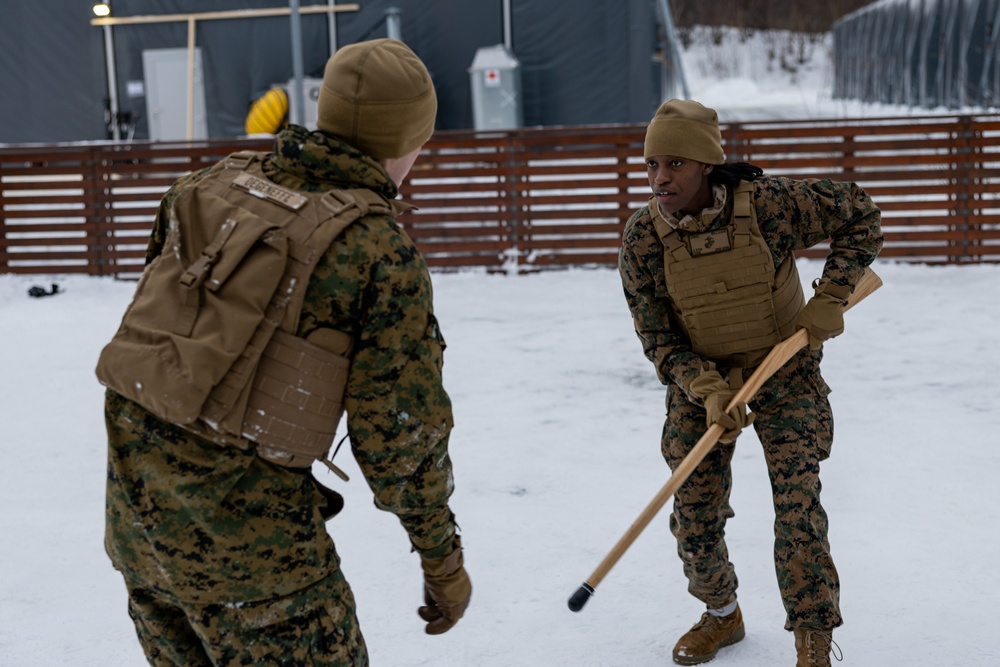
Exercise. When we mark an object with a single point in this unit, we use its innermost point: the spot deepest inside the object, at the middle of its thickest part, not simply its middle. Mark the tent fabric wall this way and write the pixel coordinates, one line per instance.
(587, 62)
(576, 66)
(927, 53)
(51, 72)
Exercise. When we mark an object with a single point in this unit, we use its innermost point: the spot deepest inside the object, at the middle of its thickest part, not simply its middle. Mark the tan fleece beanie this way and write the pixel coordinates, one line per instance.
(684, 128)
(378, 97)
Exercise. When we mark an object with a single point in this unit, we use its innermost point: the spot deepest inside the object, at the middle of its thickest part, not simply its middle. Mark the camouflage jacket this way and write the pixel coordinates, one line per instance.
(792, 214)
(374, 285)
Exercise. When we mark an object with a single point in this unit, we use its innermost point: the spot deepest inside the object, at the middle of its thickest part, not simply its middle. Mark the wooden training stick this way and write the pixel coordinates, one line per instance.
(775, 359)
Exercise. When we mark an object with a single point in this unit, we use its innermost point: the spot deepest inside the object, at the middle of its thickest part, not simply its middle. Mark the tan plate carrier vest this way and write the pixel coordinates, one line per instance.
(208, 342)
(724, 289)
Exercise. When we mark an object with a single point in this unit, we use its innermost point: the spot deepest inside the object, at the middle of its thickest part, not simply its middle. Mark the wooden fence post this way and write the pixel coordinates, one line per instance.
(100, 238)
(966, 209)
(848, 150)
(622, 154)
(737, 148)
(518, 226)
(4, 246)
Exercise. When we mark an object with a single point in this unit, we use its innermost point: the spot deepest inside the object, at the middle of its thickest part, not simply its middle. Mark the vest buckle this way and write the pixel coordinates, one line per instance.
(195, 274)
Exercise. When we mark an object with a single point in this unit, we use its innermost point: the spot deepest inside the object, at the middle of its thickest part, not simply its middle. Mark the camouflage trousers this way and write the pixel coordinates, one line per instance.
(316, 626)
(795, 425)
(226, 557)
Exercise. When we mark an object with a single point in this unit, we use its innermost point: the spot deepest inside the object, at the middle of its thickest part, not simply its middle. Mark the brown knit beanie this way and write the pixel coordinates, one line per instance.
(378, 97)
(684, 128)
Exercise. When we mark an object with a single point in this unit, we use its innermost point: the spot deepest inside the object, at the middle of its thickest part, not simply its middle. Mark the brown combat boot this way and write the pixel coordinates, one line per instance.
(813, 647)
(708, 635)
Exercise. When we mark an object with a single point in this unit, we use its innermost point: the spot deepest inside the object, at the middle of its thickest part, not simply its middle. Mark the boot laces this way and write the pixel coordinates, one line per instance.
(708, 621)
(819, 646)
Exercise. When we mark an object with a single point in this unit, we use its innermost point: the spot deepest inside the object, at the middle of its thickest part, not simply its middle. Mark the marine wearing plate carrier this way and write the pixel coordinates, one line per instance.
(709, 274)
(280, 293)
(209, 341)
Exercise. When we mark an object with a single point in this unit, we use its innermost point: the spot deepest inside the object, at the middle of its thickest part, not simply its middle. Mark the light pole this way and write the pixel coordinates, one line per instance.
(297, 66)
(394, 23)
(102, 10)
(332, 22)
(508, 32)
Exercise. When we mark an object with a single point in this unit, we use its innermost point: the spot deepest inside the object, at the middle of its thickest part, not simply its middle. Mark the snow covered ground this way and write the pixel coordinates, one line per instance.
(556, 452)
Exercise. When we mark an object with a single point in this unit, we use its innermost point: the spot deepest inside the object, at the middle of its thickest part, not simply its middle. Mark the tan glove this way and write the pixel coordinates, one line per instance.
(447, 590)
(823, 315)
(715, 394)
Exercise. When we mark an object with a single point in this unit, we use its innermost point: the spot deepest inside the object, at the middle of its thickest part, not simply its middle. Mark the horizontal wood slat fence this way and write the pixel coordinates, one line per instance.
(528, 199)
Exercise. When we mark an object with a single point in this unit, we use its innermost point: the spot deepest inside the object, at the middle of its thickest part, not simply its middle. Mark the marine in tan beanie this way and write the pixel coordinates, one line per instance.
(685, 128)
(378, 97)
(683, 146)
(708, 266)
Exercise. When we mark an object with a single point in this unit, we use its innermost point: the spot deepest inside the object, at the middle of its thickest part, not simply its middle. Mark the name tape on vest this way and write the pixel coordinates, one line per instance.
(265, 189)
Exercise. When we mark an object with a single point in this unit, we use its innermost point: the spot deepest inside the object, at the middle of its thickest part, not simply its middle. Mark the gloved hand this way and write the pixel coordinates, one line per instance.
(447, 590)
(715, 394)
(823, 315)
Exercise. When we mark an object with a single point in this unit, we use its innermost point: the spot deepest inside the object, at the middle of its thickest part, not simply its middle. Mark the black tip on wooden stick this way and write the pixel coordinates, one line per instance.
(580, 597)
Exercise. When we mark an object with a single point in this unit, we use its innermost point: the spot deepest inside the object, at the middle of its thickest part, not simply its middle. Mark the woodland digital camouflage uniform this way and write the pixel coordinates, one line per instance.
(794, 420)
(230, 536)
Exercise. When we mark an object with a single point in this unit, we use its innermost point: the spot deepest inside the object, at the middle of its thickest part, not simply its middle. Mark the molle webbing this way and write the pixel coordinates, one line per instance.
(726, 304)
(297, 399)
(732, 303)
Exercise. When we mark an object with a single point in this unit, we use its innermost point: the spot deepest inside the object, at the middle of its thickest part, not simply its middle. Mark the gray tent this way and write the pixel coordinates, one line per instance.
(586, 62)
